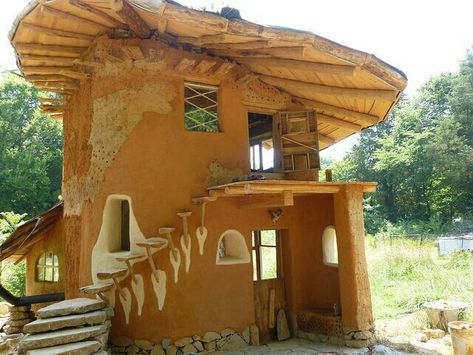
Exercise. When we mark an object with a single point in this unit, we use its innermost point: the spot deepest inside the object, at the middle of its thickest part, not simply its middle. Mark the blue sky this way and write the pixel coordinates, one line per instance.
(420, 37)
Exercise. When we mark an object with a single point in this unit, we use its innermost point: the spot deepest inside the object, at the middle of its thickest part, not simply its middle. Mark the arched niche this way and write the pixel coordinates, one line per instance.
(329, 246)
(232, 249)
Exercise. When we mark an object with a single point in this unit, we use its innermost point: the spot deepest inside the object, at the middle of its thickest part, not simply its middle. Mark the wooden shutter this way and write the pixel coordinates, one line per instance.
(296, 144)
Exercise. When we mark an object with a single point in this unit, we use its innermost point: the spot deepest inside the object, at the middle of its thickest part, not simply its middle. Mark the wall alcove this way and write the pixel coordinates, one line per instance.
(232, 249)
(329, 246)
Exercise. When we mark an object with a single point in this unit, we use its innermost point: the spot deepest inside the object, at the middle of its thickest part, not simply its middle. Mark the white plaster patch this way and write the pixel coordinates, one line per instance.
(114, 118)
(125, 300)
(139, 291)
(159, 287)
(233, 246)
(186, 249)
(201, 234)
(176, 263)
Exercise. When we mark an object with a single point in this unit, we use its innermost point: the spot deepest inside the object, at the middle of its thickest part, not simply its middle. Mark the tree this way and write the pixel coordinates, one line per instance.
(30, 150)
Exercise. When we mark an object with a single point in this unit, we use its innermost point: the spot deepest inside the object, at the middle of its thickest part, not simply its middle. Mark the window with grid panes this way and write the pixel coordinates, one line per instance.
(47, 267)
(201, 107)
(265, 254)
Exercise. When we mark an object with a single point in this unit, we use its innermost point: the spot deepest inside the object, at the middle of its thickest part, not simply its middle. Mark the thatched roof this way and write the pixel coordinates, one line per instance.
(20, 242)
(350, 89)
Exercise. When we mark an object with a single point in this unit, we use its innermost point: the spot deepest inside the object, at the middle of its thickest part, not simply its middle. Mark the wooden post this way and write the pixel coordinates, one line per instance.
(355, 295)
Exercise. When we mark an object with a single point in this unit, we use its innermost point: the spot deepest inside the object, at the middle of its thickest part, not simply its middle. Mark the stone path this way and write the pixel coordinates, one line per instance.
(299, 346)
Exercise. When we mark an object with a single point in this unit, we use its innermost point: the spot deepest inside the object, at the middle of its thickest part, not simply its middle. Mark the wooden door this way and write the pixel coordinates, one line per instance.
(296, 143)
(269, 290)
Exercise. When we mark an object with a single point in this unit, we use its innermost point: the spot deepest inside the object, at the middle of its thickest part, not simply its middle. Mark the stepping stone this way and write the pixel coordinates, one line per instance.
(97, 288)
(83, 347)
(60, 337)
(133, 256)
(74, 320)
(72, 306)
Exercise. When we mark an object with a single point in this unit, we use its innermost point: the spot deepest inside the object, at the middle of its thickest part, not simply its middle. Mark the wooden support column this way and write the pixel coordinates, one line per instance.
(355, 295)
(131, 18)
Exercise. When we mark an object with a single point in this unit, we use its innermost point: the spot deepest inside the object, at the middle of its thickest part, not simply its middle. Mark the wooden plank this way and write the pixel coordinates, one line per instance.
(68, 51)
(340, 111)
(68, 16)
(65, 61)
(131, 18)
(224, 68)
(204, 66)
(90, 9)
(298, 87)
(58, 33)
(297, 65)
(326, 139)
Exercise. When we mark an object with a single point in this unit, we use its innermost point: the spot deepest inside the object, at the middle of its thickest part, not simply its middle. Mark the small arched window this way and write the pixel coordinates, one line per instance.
(329, 245)
(47, 267)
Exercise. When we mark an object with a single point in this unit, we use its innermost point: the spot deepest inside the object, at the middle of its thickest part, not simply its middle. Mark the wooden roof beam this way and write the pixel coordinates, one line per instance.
(65, 61)
(333, 121)
(67, 51)
(68, 16)
(326, 139)
(45, 70)
(58, 33)
(348, 93)
(321, 107)
(297, 65)
(297, 53)
(131, 18)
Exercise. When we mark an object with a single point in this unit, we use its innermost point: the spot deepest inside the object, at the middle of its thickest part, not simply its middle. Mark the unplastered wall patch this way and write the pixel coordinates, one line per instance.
(114, 118)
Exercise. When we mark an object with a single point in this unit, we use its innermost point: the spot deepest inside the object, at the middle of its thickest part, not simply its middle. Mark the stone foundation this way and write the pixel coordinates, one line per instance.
(18, 317)
(226, 340)
(359, 338)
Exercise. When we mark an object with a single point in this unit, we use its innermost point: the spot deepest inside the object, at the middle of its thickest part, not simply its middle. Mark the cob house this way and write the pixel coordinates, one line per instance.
(191, 198)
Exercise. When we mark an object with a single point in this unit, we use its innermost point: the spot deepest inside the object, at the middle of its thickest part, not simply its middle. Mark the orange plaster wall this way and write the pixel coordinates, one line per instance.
(52, 242)
(161, 166)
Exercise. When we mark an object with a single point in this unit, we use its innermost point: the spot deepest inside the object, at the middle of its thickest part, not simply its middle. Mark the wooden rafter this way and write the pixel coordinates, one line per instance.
(90, 9)
(326, 139)
(67, 51)
(333, 121)
(69, 16)
(296, 87)
(322, 107)
(131, 18)
(55, 32)
(64, 61)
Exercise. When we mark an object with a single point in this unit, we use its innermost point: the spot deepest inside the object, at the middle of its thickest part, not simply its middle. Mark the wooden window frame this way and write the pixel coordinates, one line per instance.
(44, 266)
(256, 246)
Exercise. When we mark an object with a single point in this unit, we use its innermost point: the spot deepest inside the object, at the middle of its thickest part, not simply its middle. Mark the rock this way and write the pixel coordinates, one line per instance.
(226, 332)
(282, 326)
(246, 335)
(21, 315)
(122, 341)
(433, 333)
(157, 350)
(3, 308)
(210, 336)
(254, 335)
(19, 308)
(379, 349)
(423, 338)
(74, 320)
(171, 350)
(109, 311)
(360, 336)
(132, 350)
(221, 342)
(9, 329)
(183, 342)
(165, 343)
(198, 345)
(196, 337)
(83, 347)
(59, 337)
(357, 343)
(189, 348)
(210, 346)
(72, 306)
(234, 342)
(144, 344)
(103, 340)
(118, 349)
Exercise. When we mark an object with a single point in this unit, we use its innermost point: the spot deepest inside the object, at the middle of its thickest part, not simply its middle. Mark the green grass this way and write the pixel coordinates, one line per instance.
(405, 273)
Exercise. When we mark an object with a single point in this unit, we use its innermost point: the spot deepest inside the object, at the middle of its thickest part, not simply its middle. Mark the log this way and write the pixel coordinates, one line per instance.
(68, 16)
(297, 87)
(59, 33)
(131, 18)
(340, 111)
(297, 65)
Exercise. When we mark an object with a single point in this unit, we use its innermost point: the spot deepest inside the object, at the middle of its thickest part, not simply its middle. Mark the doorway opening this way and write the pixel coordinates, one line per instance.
(260, 128)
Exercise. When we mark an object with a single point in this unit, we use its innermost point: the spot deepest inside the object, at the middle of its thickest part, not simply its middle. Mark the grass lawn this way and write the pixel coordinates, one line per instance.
(405, 273)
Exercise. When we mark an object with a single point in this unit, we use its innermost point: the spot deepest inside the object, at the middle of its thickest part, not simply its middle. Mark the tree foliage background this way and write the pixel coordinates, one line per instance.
(30, 164)
(421, 156)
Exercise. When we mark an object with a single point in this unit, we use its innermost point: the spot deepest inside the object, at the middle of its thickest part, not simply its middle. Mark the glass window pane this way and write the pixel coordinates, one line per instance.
(40, 275)
(268, 263)
(48, 276)
(56, 260)
(49, 259)
(41, 260)
(268, 237)
(255, 271)
(56, 274)
(253, 239)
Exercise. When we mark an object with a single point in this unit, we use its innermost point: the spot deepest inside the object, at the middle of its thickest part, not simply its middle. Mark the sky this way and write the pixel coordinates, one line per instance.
(421, 37)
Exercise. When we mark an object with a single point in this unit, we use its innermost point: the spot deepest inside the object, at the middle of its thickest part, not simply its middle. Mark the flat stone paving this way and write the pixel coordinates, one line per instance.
(300, 346)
